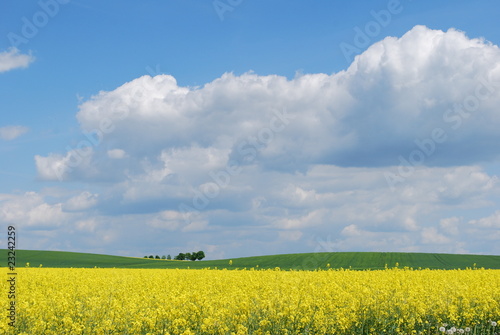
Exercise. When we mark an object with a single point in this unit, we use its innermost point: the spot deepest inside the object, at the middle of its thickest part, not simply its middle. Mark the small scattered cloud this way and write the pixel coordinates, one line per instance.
(451, 226)
(117, 154)
(9, 133)
(14, 59)
(88, 225)
(31, 210)
(431, 235)
(290, 235)
(492, 221)
(83, 201)
(75, 164)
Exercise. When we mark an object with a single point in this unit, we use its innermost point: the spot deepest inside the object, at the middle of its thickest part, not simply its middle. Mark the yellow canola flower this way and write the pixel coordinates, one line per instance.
(212, 302)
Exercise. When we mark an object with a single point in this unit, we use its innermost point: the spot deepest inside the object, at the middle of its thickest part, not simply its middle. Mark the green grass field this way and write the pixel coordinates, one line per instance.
(310, 261)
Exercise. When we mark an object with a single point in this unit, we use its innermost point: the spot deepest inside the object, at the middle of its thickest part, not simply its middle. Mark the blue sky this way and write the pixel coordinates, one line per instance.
(250, 127)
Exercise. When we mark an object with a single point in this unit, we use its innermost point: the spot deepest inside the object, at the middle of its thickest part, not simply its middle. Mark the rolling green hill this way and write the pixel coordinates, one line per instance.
(310, 261)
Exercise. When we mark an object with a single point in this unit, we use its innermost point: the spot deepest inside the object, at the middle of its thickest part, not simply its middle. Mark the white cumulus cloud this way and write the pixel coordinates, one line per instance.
(419, 98)
(14, 59)
(83, 201)
(31, 209)
(492, 221)
(275, 161)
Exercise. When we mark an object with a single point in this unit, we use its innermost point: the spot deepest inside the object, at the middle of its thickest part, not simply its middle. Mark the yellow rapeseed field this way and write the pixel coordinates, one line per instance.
(210, 301)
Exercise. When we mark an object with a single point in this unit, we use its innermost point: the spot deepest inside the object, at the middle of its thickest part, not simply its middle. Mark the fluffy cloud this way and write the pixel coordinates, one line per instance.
(390, 99)
(83, 201)
(9, 133)
(13, 59)
(377, 157)
(117, 154)
(76, 164)
(492, 221)
(414, 100)
(351, 207)
(31, 210)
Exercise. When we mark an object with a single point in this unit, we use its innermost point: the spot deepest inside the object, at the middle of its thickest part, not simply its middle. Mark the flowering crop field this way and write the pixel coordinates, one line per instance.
(211, 301)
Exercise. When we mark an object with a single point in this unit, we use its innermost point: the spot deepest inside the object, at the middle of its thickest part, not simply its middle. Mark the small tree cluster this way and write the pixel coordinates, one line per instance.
(158, 257)
(182, 256)
(190, 256)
